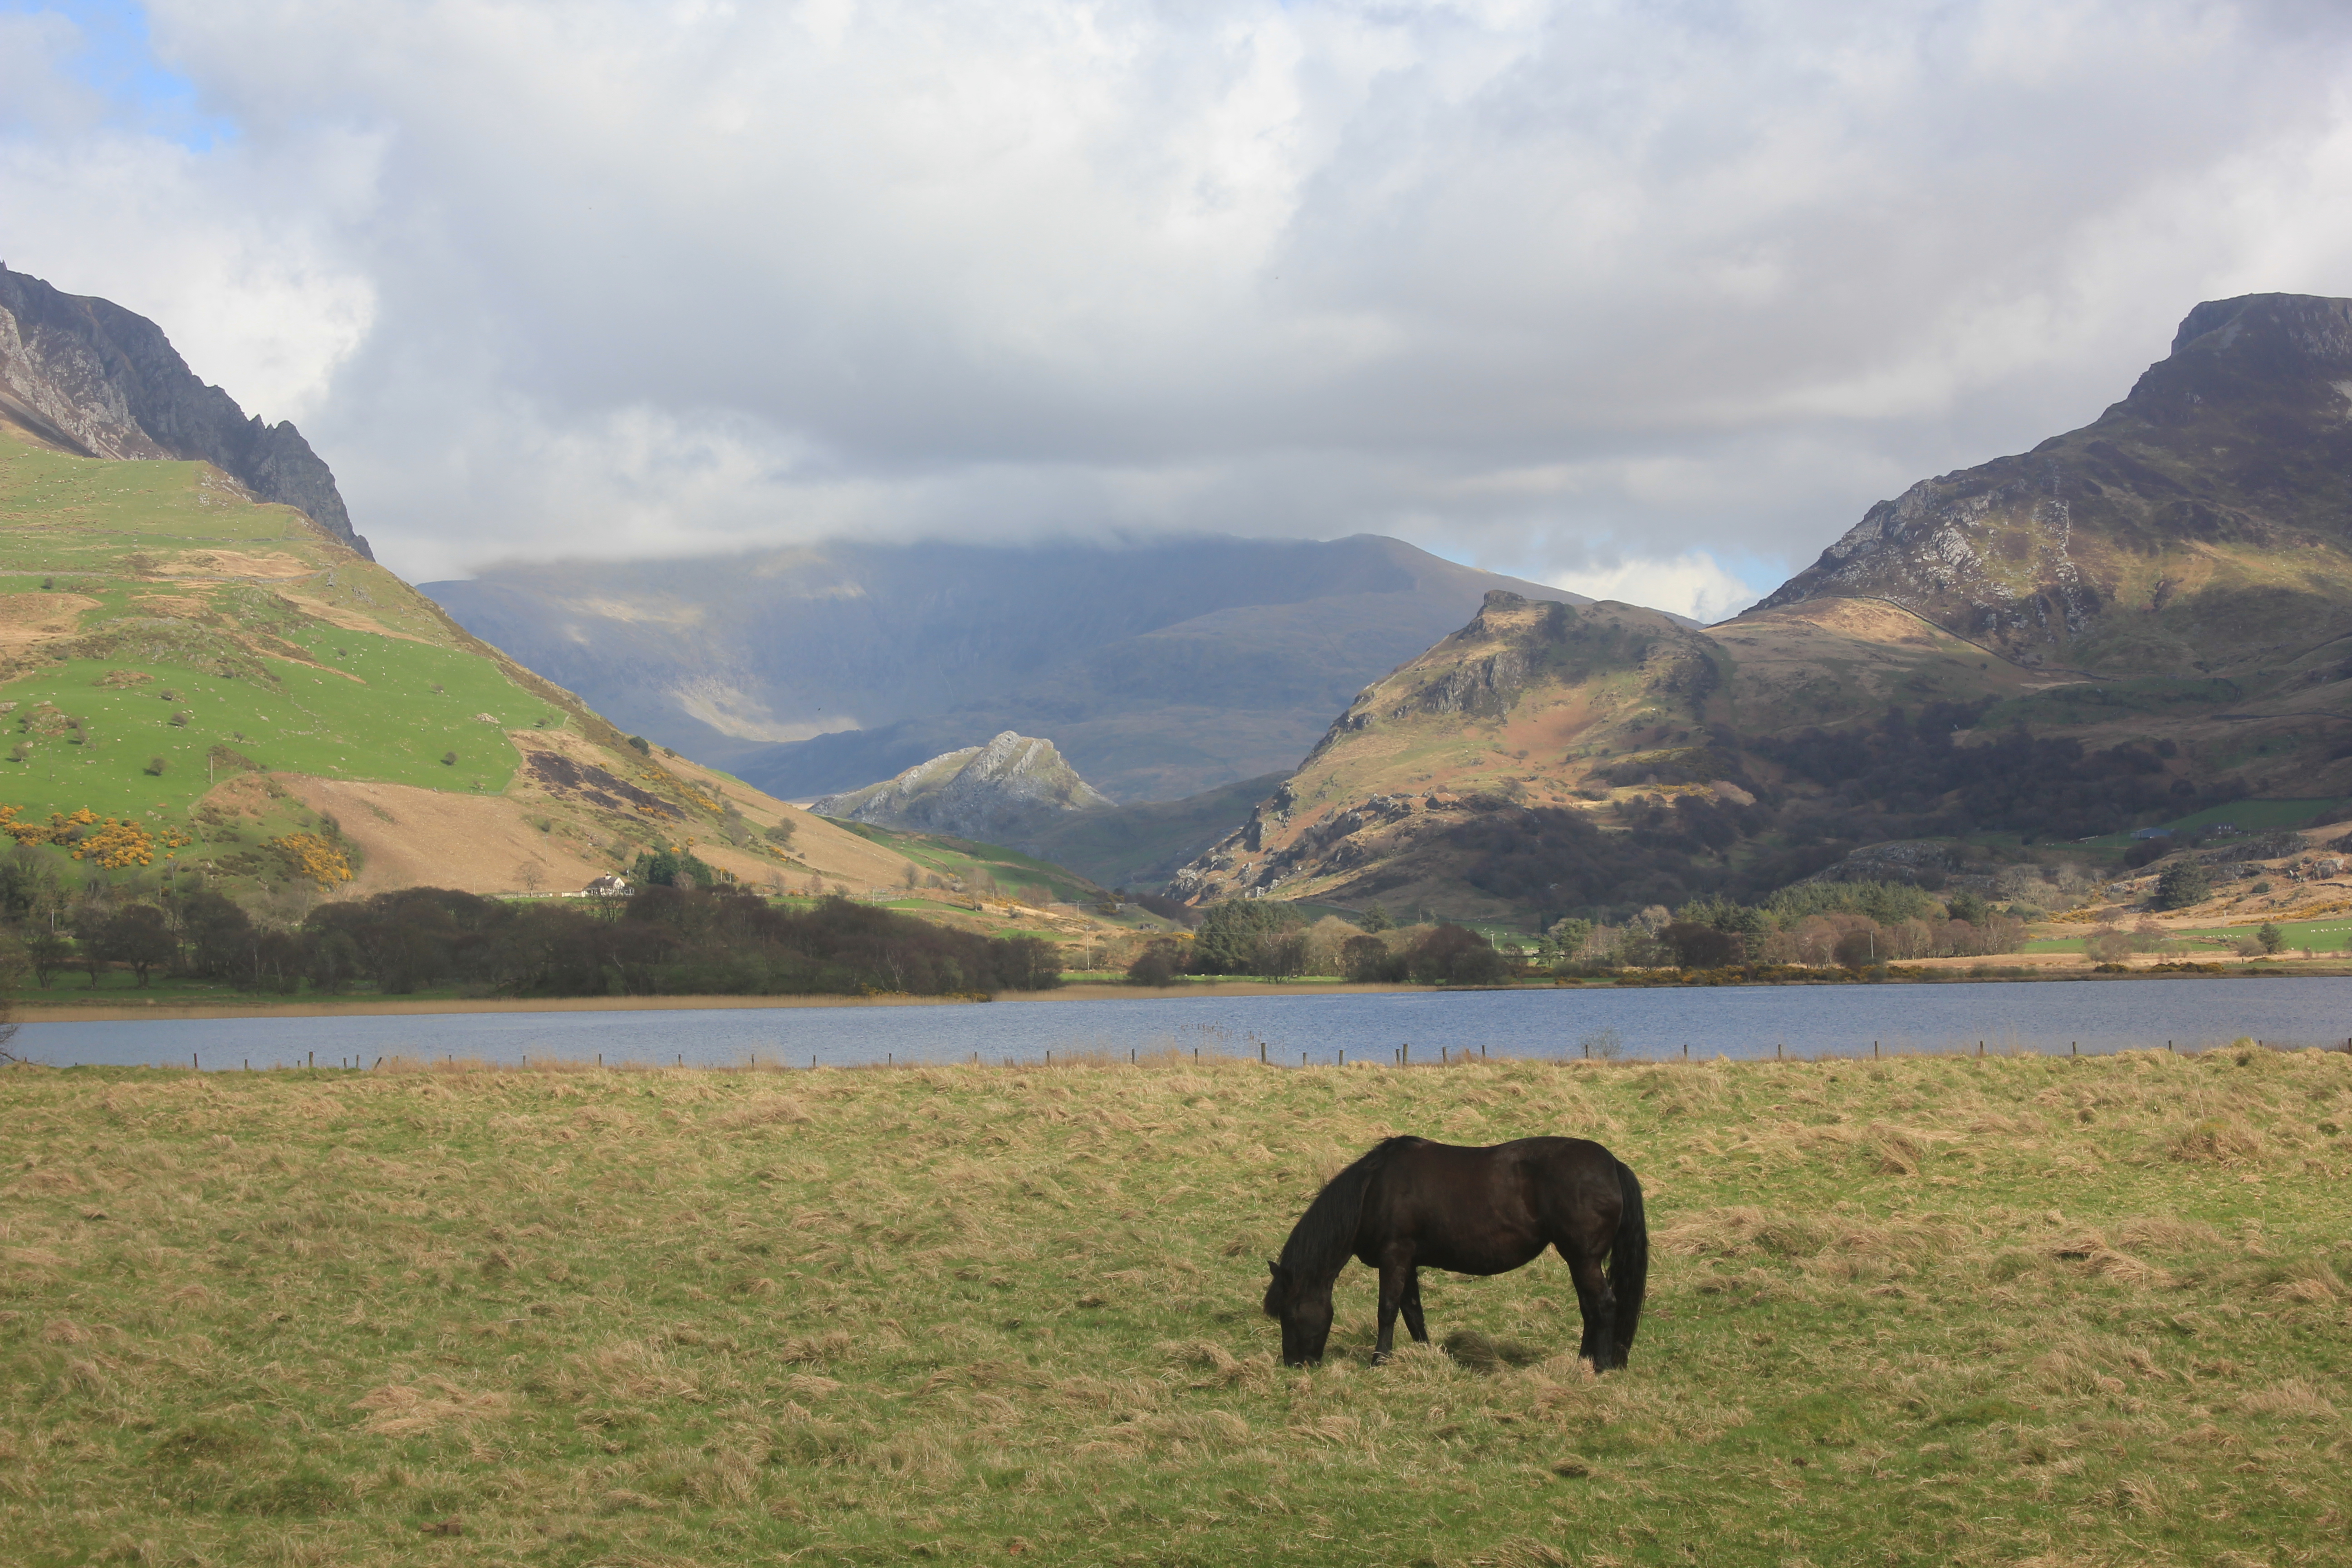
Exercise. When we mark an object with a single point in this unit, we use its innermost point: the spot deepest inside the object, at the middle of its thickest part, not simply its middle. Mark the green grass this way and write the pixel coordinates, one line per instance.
(1923, 1311)
(2330, 934)
(393, 728)
(2252, 815)
(230, 649)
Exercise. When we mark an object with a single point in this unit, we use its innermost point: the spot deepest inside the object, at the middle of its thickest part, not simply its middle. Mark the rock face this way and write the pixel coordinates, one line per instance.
(2204, 519)
(98, 381)
(999, 794)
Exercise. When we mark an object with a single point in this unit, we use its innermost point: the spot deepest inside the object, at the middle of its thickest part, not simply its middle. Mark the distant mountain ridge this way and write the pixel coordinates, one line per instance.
(999, 794)
(95, 380)
(1161, 669)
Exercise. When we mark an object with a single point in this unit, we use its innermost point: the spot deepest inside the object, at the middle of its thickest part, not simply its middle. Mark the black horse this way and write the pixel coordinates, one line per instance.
(1411, 1204)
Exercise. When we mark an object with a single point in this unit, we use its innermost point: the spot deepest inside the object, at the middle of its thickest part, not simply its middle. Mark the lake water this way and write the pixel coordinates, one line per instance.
(1746, 1022)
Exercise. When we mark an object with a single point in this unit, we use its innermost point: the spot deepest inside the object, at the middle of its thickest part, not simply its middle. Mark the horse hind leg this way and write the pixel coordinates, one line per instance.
(1396, 1280)
(1597, 1303)
(1410, 1303)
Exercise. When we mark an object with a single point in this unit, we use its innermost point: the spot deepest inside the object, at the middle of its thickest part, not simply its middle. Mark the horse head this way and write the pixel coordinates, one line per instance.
(1305, 1312)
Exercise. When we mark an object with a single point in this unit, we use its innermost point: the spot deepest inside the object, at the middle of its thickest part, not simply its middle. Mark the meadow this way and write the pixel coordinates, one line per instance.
(1996, 1311)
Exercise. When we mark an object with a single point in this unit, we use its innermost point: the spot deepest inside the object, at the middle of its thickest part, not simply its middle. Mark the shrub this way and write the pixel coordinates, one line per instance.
(448, 758)
(155, 766)
(1159, 963)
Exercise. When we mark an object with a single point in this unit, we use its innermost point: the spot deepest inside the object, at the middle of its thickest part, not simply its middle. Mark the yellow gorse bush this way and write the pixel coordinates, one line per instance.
(316, 858)
(117, 843)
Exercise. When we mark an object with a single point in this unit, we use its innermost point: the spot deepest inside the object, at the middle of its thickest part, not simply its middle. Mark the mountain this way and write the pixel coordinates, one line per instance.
(88, 377)
(193, 680)
(2131, 622)
(999, 794)
(2201, 525)
(1161, 669)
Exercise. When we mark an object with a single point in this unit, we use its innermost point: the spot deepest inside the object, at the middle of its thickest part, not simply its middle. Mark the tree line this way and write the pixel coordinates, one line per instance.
(1847, 925)
(664, 940)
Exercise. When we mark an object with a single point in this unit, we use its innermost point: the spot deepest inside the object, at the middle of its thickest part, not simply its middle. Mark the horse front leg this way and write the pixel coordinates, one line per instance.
(1411, 1306)
(1395, 1278)
(1597, 1303)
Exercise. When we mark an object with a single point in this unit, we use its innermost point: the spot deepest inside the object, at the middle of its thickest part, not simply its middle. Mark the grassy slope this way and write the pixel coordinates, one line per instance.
(285, 648)
(1927, 1312)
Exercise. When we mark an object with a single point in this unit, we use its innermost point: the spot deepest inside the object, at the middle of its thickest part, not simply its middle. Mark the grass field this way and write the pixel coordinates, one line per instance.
(2330, 934)
(1924, 1311)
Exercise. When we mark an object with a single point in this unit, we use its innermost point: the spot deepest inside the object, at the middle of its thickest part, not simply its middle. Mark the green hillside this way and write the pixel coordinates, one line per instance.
(188, 677)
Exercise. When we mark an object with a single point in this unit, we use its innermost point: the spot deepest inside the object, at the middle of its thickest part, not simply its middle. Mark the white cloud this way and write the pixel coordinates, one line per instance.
(1514, 279)
(1690, 584)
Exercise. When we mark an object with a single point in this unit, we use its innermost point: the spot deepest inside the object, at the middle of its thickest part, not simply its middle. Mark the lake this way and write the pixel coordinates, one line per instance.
(1740, 1022)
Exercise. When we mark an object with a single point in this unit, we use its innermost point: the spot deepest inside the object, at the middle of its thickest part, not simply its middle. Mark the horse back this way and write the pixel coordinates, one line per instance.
(1485, 1210)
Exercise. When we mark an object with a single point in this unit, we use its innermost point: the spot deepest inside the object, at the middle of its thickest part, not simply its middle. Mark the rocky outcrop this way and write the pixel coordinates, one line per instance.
(95, 379)
(2087, 549)
(999, 794)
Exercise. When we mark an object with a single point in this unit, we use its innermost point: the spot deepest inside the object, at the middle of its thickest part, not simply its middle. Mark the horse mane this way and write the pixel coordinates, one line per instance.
(1326, 1234)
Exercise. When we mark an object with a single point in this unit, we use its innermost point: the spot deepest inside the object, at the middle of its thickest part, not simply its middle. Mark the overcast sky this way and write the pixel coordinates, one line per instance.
(1646, 300)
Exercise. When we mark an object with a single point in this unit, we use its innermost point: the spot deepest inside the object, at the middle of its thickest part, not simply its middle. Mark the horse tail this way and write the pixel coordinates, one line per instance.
(1629, 1261)
(1325, 1235)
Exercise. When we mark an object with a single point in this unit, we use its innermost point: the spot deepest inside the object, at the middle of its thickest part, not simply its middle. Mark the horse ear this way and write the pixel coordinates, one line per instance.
(1274, 1268)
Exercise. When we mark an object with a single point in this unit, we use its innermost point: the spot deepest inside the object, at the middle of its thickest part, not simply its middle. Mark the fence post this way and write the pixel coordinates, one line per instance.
(1874, 1050)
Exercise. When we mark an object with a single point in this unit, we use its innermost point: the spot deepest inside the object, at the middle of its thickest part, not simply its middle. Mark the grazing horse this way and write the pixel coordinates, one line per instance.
(1411, 1204)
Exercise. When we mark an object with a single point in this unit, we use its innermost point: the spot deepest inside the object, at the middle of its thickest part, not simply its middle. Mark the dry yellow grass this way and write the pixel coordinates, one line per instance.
(2007, 1311)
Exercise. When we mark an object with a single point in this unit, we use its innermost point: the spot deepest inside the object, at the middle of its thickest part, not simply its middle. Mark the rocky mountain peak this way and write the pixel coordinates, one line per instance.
(2222, 481)
(97, 379)
(1000, 792)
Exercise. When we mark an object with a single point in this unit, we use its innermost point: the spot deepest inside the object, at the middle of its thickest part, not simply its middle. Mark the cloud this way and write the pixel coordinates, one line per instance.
(1511, 279)
(1690, 584)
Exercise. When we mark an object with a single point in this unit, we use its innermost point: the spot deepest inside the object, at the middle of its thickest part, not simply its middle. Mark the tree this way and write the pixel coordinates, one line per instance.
(1366, 960)
(1966, 906)
(1453, 955)
(1570, 935)
(1232, 938)
(1376, 918)
(2183, 883)
(138, 935)
(1702, 947)
(2268, 935)
(47, 952)
(1282, 954)
(156, 765)
(780, 834)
